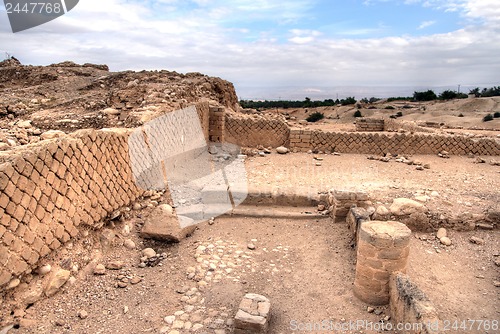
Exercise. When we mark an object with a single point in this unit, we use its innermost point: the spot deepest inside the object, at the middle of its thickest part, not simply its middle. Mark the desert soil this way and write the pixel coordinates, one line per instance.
(305, 267)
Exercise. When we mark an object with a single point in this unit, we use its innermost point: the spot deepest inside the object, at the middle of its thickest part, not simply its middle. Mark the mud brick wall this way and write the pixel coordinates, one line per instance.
(254, 130)
(398, 143)
(203, 111)
(341, 201)
(52, 189)
(409, 305)
(369, 124)
(217, 124)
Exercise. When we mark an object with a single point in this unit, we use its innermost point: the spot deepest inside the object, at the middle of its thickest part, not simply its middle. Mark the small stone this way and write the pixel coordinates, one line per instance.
(378, 311)
(251, 246)
(197, 327)
(13, 284)
(445, 241)
(178, 324)
(419, 168)
(82, 314)
(476, 240)
(496, 284)
(137, 206)
(135, 280)
(129, 244)
(321, 207)
(169, 319)
(148, 252)
(387, 318)
(115, 265)
(58, 279)
(370, 309)
(441, 233)
(282, 150)
(43, 270)
(125, 309)
(122, 284)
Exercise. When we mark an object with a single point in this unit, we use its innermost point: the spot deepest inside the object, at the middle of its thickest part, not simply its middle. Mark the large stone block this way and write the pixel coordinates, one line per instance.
(162, 224)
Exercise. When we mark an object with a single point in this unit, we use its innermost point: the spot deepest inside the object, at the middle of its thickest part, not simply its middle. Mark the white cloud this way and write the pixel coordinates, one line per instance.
(128, 35)
(426, 24)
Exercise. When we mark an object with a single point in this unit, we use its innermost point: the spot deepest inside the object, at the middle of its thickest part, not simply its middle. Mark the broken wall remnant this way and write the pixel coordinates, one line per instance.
(383, 248)
(369, 124)
(409, 305)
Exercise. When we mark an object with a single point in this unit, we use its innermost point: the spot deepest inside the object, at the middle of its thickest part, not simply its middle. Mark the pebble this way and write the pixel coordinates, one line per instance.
(370, 309)
(99, 269)
(476, 240)
(169, 319)
(445, 241)
(441, 233)
(82, 314)
(129, 244)
(43, 270)
(251, 246)
(115, 265)
(13, 284)
(378, 311)
(148, 252)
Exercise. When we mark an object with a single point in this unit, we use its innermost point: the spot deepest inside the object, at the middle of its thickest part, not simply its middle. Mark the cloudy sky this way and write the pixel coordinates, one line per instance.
(280, 49)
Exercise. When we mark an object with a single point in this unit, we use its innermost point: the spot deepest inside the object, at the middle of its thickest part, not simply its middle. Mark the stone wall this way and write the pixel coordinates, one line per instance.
(369, 124)
(409, 305)
(254, 130)
(50, 190)
(216, 124)
(400, 143)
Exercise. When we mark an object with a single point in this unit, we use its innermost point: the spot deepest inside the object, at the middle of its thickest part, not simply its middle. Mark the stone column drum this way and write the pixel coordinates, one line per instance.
(383, 248)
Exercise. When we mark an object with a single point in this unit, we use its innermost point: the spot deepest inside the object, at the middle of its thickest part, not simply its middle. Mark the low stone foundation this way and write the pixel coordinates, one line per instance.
(409, 305)
(369, 124)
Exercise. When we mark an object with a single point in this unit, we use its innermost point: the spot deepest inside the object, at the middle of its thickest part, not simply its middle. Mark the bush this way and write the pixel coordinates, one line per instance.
(315, 116)
(425, 96)
(389, 107)
(460, 115)
(358, 114)
(488, 118)
(399, 114)
(496, 115)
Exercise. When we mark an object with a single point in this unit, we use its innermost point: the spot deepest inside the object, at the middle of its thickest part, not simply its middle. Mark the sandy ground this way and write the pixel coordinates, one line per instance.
(306, 267)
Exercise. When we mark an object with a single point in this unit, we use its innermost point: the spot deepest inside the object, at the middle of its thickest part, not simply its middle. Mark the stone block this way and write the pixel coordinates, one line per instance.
(162, 224)
(253, 315)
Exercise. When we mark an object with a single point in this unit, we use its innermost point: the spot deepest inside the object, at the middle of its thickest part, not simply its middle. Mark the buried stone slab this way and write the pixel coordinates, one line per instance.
(163, 225)
(253, 315)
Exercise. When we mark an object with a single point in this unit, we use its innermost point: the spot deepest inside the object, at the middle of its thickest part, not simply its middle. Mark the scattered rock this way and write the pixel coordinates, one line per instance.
(129, 244)
(476, 240)
(282, 150)
(58, 279)
(378, 311)
(148, 252)
(441, 233)
(445, 241)
(370, 309)
(44, 270)
(115, 265)
(99, 269)
(496, 284)
(321, 207)
(51, 134)
(13, 284)
(251, 246)
(82, 314)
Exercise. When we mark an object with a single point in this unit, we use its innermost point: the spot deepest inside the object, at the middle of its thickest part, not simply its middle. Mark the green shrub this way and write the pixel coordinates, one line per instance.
(358, 114)
(496, 115)
(488, 118)
(389, 107)
(315, 116)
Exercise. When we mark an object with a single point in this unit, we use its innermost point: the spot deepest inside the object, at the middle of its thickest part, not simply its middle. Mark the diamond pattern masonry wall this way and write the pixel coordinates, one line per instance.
(382, 143)
(254, 130)
(50, 190)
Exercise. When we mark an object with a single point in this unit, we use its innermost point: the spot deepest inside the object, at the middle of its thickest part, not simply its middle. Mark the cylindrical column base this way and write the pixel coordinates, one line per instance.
(383, 248)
